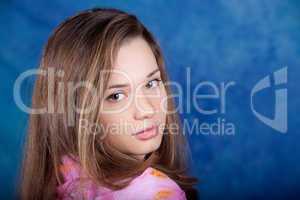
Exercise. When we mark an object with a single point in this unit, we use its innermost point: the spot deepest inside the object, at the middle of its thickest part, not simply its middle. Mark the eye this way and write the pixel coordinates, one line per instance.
(115, 96)
(153, 83)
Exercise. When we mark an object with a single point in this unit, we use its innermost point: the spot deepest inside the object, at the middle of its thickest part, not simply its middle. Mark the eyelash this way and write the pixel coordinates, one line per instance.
(156, 79)
(110, 97)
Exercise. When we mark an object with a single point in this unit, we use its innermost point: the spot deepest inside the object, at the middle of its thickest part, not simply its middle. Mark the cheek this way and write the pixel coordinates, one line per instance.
(115, 108)
(119, 141)
(109, 126)
(161, 103)
(116, 126)
(116, 134)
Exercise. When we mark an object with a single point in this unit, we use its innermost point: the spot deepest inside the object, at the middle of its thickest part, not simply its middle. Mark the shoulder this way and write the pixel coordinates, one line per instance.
(73, 186)
(152, 184)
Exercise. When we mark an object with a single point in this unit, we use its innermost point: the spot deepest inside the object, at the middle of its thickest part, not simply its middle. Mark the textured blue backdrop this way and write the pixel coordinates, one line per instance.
(221, 41)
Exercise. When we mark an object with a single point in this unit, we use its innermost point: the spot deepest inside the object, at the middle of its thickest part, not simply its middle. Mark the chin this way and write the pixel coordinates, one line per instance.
(145, 147)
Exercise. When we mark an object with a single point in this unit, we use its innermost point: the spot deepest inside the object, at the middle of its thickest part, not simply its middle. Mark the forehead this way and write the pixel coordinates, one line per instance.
(134, 61)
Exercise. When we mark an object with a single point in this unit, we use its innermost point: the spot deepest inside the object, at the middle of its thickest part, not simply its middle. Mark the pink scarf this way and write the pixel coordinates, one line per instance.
(152, 184)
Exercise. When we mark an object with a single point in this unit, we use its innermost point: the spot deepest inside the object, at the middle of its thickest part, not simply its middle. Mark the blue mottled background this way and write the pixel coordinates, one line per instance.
(221, 41)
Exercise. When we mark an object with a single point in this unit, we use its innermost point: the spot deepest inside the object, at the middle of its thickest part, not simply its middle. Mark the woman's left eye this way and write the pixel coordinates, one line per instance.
(153, 83)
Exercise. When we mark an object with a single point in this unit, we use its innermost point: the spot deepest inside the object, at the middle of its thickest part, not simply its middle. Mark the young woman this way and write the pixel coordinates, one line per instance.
(107, 127)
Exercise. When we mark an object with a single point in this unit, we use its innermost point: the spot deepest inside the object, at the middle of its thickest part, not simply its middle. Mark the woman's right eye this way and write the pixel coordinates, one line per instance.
(115, 97)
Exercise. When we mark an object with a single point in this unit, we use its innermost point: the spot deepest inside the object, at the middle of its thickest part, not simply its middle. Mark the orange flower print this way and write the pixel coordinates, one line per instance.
(158, 173)
(66, 168)
(163, 194)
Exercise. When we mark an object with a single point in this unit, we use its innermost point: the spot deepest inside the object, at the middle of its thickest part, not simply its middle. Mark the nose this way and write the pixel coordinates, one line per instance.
(143, 107)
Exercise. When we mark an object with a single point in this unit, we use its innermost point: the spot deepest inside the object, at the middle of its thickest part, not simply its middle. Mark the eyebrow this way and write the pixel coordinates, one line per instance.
(126, 85)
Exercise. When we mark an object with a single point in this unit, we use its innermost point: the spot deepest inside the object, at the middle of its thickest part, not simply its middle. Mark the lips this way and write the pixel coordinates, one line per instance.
(147, 133)
(147, 129)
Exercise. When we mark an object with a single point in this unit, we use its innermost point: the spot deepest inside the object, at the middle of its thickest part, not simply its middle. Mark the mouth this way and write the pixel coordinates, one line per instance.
(147, 133)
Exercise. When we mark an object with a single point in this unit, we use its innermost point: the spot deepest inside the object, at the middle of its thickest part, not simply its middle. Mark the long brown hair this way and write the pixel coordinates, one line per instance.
(83, 47)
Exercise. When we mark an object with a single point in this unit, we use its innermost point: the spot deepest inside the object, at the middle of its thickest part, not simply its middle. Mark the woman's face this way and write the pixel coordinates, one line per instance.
(133, 111)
